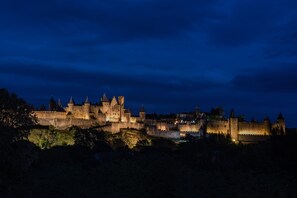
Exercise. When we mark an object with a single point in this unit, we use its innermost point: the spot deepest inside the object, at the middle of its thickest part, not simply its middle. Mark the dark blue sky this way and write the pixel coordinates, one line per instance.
(169, 55)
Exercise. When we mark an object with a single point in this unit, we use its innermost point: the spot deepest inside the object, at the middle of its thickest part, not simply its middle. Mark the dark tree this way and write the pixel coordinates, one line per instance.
(14, 111)
(52, 104)
(42, 108)
(91, 139)
(218, 111)
(16, 156)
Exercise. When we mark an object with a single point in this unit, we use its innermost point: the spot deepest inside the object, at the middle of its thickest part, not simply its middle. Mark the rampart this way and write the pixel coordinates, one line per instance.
(116, 127)
(78, 112)
(63, 123)
(50, 115)
(189, 127)
(164, 126)
(219, 126)
(254, 128)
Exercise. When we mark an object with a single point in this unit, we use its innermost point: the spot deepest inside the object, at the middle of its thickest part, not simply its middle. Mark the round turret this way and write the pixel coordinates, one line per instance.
(142, 114)
(87, 108)
(70, 105)
(267, 126)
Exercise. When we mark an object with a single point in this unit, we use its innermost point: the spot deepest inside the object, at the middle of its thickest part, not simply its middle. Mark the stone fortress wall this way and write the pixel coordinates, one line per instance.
(112, 116)
(236, 128)
(50, 115)
(59, 123)
(110, 112)
(218, 127)
(244, 128)
(233, 126)
(116, 127)
(190, 127)
(252, 128)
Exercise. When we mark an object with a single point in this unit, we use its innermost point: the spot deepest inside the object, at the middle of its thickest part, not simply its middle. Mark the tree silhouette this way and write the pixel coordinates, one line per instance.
(16, 156)
(42, 108)
(14, 111)
(52, 104)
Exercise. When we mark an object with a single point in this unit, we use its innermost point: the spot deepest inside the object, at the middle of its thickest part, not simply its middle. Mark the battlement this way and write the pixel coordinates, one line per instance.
(232, 126)
(50, 115)
(102, 112)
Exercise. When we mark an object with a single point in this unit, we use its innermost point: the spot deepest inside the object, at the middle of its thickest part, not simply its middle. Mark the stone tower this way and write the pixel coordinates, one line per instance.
(127, 115)
(87, 109)
(70, 105)
(121, 101)
(142, 114)
(113, 101)
(233, 126)
(267, 126)
(105, 104)
(280, 125)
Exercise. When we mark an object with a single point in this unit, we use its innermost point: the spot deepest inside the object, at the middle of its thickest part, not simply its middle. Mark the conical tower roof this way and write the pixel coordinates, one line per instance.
(71, 101)
(280, 117)
(87, 100)
(60, 103)
(104, 98)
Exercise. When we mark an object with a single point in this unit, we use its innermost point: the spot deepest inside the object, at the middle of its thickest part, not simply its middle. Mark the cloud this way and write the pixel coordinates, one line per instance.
(171, 55)
(246, 22)
(284, 44)
(121, 78)
(276, 79)
(106, 20)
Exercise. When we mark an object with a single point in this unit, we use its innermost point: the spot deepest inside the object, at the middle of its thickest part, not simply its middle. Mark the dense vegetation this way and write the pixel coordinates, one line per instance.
(91, 163)
(211, 167)
(48, 137)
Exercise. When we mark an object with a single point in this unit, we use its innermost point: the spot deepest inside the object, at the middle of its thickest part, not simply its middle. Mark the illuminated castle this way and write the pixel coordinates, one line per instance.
(105, 111)
(235, 127)
(87, 114)
(111, 115)
(238, 129)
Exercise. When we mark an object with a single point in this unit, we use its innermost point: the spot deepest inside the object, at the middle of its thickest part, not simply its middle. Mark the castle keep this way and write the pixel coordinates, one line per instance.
(87, 114)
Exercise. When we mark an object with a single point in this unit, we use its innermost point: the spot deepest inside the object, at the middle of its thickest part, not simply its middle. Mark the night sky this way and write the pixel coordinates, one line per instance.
(168, 55)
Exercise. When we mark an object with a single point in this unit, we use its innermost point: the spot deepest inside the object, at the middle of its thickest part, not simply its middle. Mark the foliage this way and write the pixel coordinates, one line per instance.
(47, 138)
(207, 168)
(90, 138)
(104, 141)
(15, 112)
(133, 138)
(16, 155)
(42, 108)
(163, 144)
